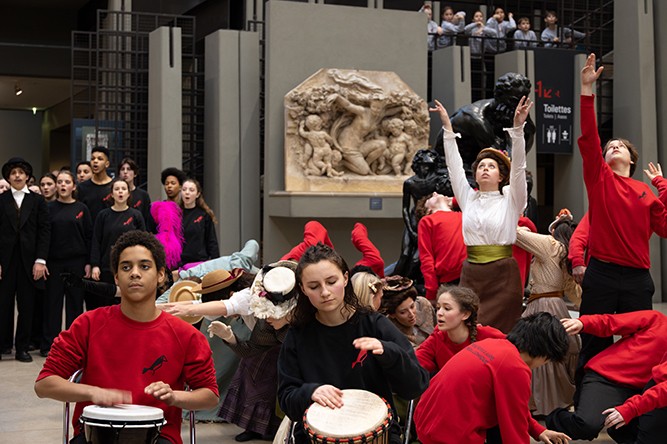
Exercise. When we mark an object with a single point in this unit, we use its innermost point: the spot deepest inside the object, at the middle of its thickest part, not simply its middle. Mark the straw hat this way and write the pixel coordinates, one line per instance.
(217, 280)
(396, 283)
(183, 291)
(273, 292)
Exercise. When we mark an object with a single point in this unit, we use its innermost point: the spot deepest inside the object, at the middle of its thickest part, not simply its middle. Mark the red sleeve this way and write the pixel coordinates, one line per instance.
(313, 232)
(427, 257)
(69, 349)
(198, 368)
(535, 429)
(623, 324)
(426, 353)
(370, 254)
(659, 218)
(661, 184)
(512, 403)
(579, 243)
(523, 257)
(589, 143)
(651, 399)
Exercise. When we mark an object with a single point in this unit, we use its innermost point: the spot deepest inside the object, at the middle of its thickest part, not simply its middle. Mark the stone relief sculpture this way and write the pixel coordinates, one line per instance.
(349, 130)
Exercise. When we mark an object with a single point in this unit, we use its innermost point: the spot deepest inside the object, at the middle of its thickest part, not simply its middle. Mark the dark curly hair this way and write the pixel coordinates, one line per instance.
(171, 171)
(510, 87)
(468, 301)
(392, 299)
(304, 312)
(138, 238)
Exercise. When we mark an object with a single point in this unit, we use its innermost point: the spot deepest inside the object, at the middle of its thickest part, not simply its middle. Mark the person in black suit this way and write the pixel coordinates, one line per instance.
(25, 235)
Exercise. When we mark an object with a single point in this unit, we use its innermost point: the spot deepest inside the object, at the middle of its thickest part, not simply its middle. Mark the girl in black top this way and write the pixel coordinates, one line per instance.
(201, 242)
(109, 225)
(71, 232)
(128, 170)
(47, 185)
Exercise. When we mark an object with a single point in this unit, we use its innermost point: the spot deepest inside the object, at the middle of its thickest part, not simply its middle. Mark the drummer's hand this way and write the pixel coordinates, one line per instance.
(109, 397)
(369, 344)
(163, 392)
(328, 396)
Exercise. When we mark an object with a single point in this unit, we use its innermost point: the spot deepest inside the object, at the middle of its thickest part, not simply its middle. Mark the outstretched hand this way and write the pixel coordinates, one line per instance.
(589, 75)
(522, 110)
(653, 171)
(444, 117)
(572, 326)
(614, 418)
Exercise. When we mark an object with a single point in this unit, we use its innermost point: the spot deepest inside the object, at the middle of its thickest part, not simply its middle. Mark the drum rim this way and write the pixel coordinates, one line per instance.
(122, 424)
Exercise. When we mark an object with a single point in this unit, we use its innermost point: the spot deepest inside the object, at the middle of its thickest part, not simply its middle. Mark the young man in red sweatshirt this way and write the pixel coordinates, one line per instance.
(133, 352)
(623, 214)
(483, 391)
(615, 374)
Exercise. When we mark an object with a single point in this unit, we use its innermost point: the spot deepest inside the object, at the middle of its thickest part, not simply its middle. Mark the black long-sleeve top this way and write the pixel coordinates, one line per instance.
(109, 226)
(316, 354)
(95, 197)
(141, 201)
(201, 242)
(71, 230)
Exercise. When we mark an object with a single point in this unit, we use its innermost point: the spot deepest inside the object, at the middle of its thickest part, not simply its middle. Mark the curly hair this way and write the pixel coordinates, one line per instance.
(171, 171)
(304, 312)
(138, 238)
(392, 299)
(468, 301)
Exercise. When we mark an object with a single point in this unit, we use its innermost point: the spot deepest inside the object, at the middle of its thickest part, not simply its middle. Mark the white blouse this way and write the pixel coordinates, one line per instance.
(489, 217)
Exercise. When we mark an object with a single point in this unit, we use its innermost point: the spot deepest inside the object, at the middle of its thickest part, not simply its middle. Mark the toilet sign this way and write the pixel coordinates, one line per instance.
(554, 100)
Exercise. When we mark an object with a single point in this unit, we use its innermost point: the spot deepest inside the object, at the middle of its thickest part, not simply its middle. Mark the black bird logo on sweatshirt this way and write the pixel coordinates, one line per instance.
(156, 365)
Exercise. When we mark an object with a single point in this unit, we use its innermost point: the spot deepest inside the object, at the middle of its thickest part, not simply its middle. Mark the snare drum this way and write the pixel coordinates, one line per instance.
(125, 423)
(364, 418)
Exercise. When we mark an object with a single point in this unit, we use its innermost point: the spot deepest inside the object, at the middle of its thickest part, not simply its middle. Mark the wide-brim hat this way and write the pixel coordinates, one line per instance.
(495, 154)
(183, 291)
(563, 215)
(396, 283)
(273, 292)
(13, 163)
(217, 280)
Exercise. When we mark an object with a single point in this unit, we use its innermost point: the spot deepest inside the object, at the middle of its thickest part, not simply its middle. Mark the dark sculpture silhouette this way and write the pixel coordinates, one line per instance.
(481, 123)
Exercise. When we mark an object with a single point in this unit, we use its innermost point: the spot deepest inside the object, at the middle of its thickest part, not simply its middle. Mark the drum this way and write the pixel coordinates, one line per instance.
(125, 423)
(364, 418)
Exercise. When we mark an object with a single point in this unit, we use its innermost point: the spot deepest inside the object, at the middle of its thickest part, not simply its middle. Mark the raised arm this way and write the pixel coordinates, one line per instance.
(518, 186)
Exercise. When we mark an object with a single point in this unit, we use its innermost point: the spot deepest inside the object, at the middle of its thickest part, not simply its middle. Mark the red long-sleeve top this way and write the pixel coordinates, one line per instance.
(313, 232)
(370, 255)
(480, 374)
(651, 399)
(623, 212)
(437, 349)
(441, 249)
(578, 248)
(521, 256)
(630, 360)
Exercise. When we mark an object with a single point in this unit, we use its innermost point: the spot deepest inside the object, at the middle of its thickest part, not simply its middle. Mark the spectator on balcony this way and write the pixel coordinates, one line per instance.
(452, 24)
(552, 36)
(524, 37)
(502, 28)
(481, 36)
(432, 27)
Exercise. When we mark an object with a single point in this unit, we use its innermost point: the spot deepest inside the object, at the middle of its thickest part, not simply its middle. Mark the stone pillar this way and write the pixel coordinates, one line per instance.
(635, 95)
(660, 39)
(450, 83)
(231, 141)
(165, 107)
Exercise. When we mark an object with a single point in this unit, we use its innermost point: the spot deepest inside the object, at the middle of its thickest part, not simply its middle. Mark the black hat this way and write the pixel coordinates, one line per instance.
(13, 163)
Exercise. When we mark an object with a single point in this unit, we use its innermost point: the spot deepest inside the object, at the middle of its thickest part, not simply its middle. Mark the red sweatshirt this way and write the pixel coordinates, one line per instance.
(437, 349)
(117, 352)
(651, 399)
(473, 393)
(441, 249)
(521, 256)
(578, 249)
(630, 360)
(623, 212)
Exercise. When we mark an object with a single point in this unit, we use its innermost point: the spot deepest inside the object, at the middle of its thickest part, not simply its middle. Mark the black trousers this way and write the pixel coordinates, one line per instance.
(651, 428)
(55, 292)
(610, 288)
(597, 395)
(16, 284)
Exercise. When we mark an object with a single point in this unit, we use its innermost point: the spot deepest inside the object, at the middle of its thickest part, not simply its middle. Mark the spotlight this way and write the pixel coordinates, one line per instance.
(34, 110)
(17, 89)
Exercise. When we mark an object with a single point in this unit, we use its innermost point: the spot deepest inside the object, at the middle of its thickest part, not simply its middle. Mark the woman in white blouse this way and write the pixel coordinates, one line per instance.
(490, 216)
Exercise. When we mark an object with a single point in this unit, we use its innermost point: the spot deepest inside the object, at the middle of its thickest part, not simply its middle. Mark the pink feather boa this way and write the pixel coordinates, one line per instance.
(168, 217)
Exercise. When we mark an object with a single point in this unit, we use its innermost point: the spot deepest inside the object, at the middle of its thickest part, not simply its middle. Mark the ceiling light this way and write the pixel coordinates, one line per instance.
(17, 89)
(34, 110)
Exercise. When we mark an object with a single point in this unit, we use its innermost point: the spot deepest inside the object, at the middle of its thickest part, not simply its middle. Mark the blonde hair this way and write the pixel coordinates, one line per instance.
(365, 286)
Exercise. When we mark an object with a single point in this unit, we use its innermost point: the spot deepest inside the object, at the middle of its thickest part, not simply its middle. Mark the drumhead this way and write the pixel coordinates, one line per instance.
(362, 413)
(127, 415)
